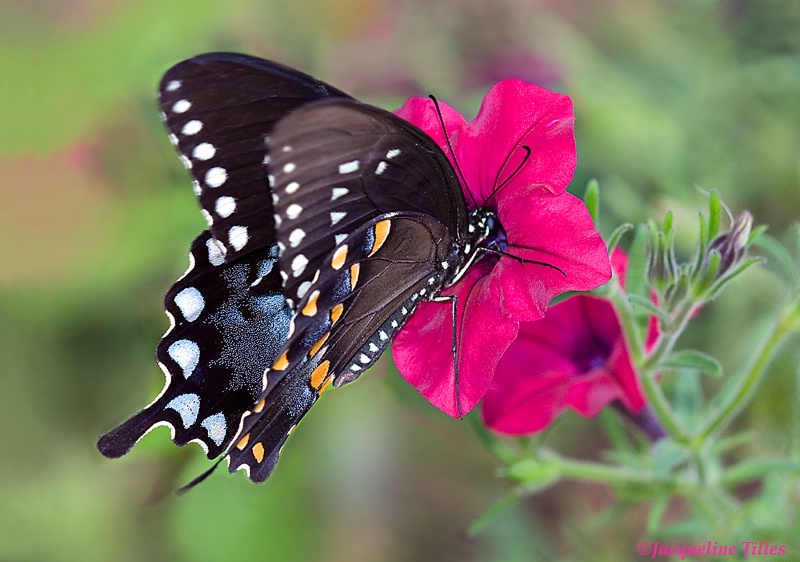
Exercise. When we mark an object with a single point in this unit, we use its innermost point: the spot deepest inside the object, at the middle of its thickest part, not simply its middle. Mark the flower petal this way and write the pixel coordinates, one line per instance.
(575, 357)
(515, 113)
(551, 229)
(422, 350)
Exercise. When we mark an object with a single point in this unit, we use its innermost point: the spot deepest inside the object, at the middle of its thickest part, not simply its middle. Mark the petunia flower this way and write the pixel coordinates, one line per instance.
(499, 296)
(576, 357)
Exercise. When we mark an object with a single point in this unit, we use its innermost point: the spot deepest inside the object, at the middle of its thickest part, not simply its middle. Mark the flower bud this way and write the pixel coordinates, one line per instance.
(732, 245)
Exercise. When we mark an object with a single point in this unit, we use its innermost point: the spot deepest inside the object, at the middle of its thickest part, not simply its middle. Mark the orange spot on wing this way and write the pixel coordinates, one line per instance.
(319, 374)
(260, 406)
(243, 442)
(336, 313)
(258, 452)
(354, 270)
(282, 362)
(339, 258)
(381, 233)
(310, 309)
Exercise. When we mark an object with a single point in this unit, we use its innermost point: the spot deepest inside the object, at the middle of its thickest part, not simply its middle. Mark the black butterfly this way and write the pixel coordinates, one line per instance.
(330, 219)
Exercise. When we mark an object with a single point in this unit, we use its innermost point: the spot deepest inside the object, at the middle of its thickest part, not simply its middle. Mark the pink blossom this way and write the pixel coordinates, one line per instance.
(576, 357)
(499, 297)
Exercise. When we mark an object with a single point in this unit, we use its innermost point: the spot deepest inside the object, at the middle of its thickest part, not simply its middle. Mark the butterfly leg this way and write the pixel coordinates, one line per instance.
(453, 300)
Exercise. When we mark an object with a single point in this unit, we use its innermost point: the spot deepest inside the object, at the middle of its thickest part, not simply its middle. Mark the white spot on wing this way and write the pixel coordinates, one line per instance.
(303, 289)
(191, 303)
(299, 264)
(186, 354)
(192, 127)
(216, 427)
(216, 176)
(393, 152)
(216, 252)
(336, 216)
(289, 168)
(181, 106)
(188, 406)
(373, 348)
(173, 85)
(293, 211)
(204, 151)
(296, 237)
(381, 168)
(348, 167)
(339, 238)
(237, 237)
(364, 358)
(292, 187)
(225, 206)
(337, 192)
(207, 216)
(383, 335)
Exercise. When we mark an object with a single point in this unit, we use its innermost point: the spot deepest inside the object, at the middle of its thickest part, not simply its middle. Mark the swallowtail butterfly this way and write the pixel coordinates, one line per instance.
(329, 221)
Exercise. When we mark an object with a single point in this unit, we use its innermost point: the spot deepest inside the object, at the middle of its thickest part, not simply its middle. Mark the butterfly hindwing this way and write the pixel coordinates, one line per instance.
(229, 320)
(338, 328)
(220, 109)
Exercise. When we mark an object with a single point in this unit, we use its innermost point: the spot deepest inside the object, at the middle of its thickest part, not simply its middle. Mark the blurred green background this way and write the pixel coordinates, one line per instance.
(96, 216)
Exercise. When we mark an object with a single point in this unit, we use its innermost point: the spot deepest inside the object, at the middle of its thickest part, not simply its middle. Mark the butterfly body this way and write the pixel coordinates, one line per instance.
(330, 220)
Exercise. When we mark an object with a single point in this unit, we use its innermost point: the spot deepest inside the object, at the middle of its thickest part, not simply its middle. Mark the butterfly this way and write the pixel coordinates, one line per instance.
(329, 221)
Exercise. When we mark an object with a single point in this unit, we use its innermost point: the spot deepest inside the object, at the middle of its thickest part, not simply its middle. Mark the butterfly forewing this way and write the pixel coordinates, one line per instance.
(229, 322)
(220, 109)
(338, 164)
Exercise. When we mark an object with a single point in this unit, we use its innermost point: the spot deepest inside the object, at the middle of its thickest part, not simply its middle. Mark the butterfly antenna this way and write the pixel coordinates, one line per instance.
(450, 147)
(527, 150)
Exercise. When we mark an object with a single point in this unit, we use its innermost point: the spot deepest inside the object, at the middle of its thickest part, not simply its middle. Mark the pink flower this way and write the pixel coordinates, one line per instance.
(498, 296)
(575, 357)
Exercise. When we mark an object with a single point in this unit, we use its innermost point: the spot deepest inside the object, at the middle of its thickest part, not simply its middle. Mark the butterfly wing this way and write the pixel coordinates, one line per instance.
(228, 313)
(338, 164)
(220, 109)
(373, 237)
(229, 321)
(342, 326)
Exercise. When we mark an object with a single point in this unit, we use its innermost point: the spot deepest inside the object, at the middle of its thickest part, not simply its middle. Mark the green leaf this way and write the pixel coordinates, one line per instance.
(648, 305)
(656, 515)
(591, 198)
(635, 278)
(618, 233)
(533, 475)
(688, 397)
(693, 359)
(782, 256)
(713, 215)
(667, 454)
(752, 469)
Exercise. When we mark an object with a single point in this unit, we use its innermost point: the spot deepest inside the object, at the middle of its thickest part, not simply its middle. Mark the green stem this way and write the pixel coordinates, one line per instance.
(627, 322)
(670, 337)
(751, 378)
(644, 364)
(571, 469)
